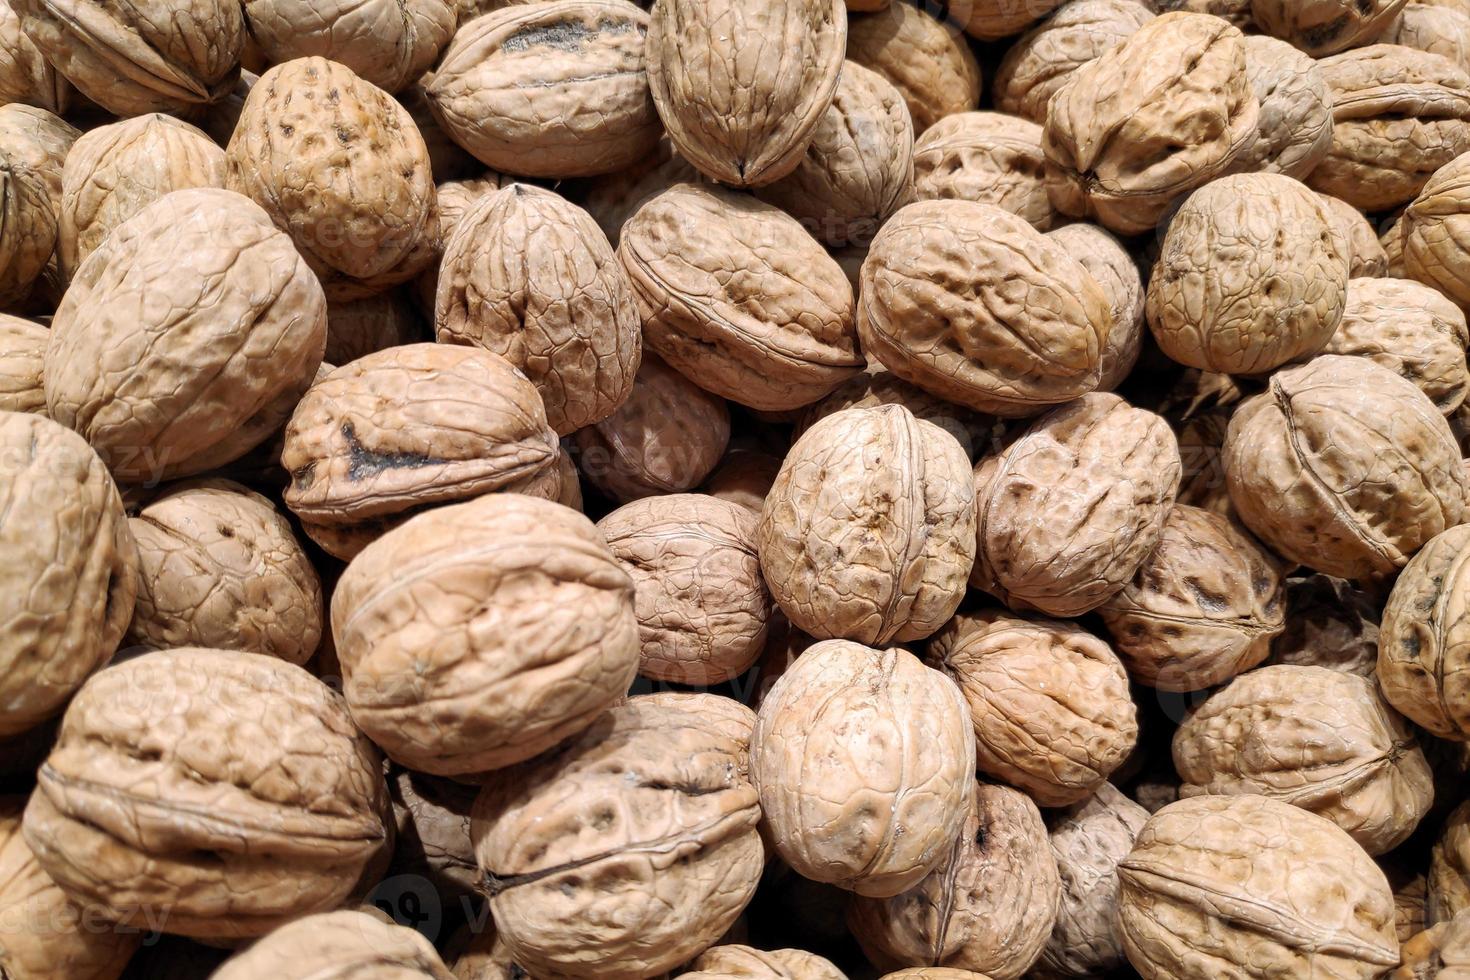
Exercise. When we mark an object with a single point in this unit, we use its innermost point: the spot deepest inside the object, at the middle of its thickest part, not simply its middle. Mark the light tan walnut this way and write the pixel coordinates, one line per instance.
(344, 943)
(987, 157)
(1042, 59)
(387, 42)
(1410, 329)
(925, 60)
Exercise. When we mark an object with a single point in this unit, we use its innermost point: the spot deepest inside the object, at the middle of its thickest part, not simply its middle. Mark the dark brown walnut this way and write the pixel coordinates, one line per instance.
(988, 907)
(338, 944)
(1040, 61)
(1329, 623)
(614, 198)
(219, 567)
(1409, 886)
(1256, 887)
(223, 791)
(433, 832)
(878, 386)
(743, 88)
(115, 171)
(703, 609)
(1343, 466)
(1448, 882)
(1166, 111)
(341, 168)
(1088, 841)
(992, 20)
(1421, 656)
(735, 295)
(972, 304)
(1294, 133)
(1049, 702)
(1324, 27)
(529, 276)
(631, 847)
(192, 318)
(859, 167)
(1368, 260)
(743, 477)
(25, 74)
(477, 635)
(22, 359)
(33, 146)
(1253, 274)
(1398, 115)
(1433, 230)
(1410, 329)
(925, 60)
(359, 327)
(1324, 740)
(864, 759)
(149, 56)
(69, 581)
(736, 962)
(550, 90)
(1201, 608)
(410, 427)
(387, 42)
(1115, 271)
(1070, 510)
(986, 157)
(1441, 952)
(868, 533)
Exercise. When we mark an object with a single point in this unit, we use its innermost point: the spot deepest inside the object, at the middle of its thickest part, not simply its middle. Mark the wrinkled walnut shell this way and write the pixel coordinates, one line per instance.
(1421, 659)
(344, 943)
(986, 157)
(925, 60)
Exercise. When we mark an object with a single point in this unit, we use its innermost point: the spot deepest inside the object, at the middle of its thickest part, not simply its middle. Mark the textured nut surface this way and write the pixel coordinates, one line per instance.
(1329, 623)
(864, 760)
(343, 943)
(988, 907)
(1113, 267)
(1245, 883)
(879, 386)
(33, 147)
(1433, 231)
(1323, 27)
(1294, 133)
(1369, 258)
(22, 361)
(479, 634)
(1430, 27)
(744, 477)
(868, 533)
(226, 791)
(1049, 702)
(987, 157)
(615, 198)
(550, 90)
(1068, 511)
(1421, 654)
(972, 304)
(1448, 881)
(432, 838)
(1410, 329)
(387, 42)
(932, 67)
(631, 847)
(1441, 952)
(742, 87)
(735, 295)
(529, 276)
(1343, 466)
(736, 962)
(69, 580)
(359, 327)
(25, 74)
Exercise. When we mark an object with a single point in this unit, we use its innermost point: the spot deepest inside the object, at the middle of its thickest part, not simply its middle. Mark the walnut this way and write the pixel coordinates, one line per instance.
(743, 477)
(992, 20)
(988, 907)
(972, 304)
(447, 159)
(25, 74)
(144, 56)
(1441, 952)
(223, 791)
(1419, 665)
(1252, 885)
(359, 327)
(1070, 510)
(1049, 702)
(22, 359)
(933, 973)
(933, 68)
(1323, 27)
(614, 198)
(1324, 740)
(1329, 623)
(33, 147)
(986, 157)
(433, 839)
(1391, 240)
(529, 276)
(1448, 884)
(1368, 257)
(1431, 230)
(1115, 271)
(344, 943)
(1295, 127)
(878, 386)
(734, 962)
(743, 87)
(1398, 115)
(1343, 466)
(629, 848)
(735, 295)
(454, 198)
(864, 760)
(1429, 27)
(868, 533)
(1409, 888)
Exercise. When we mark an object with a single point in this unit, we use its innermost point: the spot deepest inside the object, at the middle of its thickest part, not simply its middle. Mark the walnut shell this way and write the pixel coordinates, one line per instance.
(477, 635)
(25, 74)
(743, 87)
(868, 532)
(1448, 884)
(992, 20)
(864, 760)
(343, 943)
(1369, 259)
(33, 146)
(1294, 133)
(1323, 27)
(1329, 623)
(1419, 648)
(341, 168)
(1441, 952)
(530, 276)
(1049, 702)
(1070, 510)
(735, 295)
(859, 167)
(550, 90)
(614, 198)
(1324, 740)
(22, 360)
(878, 386)
(933, 973)
(1256, 887)
(143, 56)
(386, 42)
(1201, 608)
(225, 791)
(1392, 243)
(359, 327)
(1040, 62)
(1123, 136)
(1398, 114)
(433, 831)
(1429, 27)
(1408, 900)
(631, 847)
(1115, 271)
(743, 477)
(988, 907)
(986, 157)
(972, 304)
(1431, 232)
(1343, 466)
(703, 608)
(735, 962)
(931, 67)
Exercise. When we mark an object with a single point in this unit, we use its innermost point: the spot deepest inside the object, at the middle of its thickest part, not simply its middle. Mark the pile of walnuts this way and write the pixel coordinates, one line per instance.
(734, 489)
